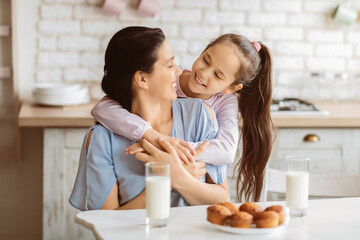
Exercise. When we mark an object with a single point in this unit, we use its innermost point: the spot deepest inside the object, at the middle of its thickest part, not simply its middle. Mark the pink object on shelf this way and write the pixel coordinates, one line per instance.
(114, 6)
(148, 8)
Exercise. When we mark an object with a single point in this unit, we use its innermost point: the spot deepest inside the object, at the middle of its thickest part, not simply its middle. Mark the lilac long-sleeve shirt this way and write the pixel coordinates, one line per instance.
(221, 150)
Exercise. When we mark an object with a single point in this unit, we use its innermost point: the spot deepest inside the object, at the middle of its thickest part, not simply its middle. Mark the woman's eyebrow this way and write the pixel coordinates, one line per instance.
(170, 59)
(209, 56)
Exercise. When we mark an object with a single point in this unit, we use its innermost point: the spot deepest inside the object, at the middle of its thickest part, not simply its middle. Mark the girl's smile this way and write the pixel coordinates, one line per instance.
(198, 81)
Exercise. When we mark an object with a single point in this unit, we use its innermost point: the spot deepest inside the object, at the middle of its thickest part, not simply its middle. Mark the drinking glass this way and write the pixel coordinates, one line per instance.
(158, 190)
(297, 186)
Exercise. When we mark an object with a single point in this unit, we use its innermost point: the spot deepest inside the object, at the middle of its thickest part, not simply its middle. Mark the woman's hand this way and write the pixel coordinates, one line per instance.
(169, 156)
(196, 169)
(184, 150)
(150, 153)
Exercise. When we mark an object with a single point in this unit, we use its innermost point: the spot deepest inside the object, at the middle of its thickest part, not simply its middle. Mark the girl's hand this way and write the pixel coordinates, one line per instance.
(184, 150)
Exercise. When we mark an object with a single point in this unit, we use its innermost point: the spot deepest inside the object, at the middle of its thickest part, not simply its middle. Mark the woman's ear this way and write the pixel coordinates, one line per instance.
(140, 79)
(233, 88)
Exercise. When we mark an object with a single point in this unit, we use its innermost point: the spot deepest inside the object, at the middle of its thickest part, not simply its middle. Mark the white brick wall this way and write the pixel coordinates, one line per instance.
(244, 5)
(73, 35)
(291, 6)
(284, 33)
(334, 50)
(78, 43)
(56, 11)
(58, 59)
(59, 27)
(325, 36)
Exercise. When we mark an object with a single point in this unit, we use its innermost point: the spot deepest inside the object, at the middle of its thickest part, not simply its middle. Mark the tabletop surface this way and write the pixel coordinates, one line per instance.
(326, 219)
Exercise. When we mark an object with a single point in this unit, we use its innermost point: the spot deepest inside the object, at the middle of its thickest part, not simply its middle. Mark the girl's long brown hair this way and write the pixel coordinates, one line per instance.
(257, 129)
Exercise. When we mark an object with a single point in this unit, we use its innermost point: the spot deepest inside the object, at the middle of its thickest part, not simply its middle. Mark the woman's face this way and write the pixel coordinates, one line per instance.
(214, 70)
(162, 81)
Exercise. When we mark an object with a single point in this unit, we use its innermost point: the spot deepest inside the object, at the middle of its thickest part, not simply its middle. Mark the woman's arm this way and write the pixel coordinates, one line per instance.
(193, 191)
(222, 149)
(112, 201)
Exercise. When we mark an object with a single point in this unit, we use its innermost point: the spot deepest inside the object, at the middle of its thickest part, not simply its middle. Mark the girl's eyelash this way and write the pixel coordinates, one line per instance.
(205, 60)
(217, 75)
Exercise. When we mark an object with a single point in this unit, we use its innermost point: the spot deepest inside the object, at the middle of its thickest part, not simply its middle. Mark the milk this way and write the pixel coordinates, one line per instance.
(297, 189)
(158, 197)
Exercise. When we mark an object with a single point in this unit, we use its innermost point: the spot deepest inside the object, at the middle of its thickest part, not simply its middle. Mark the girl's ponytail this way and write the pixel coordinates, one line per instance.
(256, 131)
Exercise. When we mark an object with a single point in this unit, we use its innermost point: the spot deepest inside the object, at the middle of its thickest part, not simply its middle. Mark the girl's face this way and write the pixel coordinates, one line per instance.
(214, 71)
(162, 81)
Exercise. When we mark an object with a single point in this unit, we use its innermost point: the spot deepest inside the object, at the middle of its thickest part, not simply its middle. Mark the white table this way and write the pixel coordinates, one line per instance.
(326, 219)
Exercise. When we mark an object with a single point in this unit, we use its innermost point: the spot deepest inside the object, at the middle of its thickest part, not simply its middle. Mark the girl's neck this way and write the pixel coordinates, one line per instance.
(184, 84)
(157, 113)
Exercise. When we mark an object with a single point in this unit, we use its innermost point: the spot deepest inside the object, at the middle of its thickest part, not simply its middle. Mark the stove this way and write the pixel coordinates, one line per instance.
(295, 106)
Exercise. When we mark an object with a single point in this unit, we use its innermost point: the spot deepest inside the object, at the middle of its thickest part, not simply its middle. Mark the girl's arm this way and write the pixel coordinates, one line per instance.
(118, 120)
(193, 191)
(222, 149)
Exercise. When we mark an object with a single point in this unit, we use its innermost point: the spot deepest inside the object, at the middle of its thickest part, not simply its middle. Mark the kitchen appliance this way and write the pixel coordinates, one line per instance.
(296, 107)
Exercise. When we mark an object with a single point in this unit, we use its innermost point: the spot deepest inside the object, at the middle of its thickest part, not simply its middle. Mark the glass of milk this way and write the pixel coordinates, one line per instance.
(297, 185)
(158, 190)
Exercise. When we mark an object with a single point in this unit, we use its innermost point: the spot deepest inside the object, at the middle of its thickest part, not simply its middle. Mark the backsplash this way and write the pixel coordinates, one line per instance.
(73, 35)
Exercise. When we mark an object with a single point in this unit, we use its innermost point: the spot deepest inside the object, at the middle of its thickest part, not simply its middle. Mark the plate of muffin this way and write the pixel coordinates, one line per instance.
(249, 218)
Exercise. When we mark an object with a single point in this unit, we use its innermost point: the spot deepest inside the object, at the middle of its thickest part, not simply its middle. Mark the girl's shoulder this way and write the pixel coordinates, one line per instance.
(220, 99)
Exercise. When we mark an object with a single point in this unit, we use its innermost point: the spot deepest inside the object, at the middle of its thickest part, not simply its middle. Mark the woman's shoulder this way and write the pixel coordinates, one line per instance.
(99, 129)
(193, 110)
(191, 105)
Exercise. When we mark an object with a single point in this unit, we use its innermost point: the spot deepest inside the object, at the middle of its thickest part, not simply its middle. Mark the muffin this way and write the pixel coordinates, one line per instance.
(266, 219)
(216, 214)
(239, 220)
(279, 210)
(229, 205)
(251, 208)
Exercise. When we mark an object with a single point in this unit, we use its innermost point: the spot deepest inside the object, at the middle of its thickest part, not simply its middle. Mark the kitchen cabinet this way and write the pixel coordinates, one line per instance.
(331, 150)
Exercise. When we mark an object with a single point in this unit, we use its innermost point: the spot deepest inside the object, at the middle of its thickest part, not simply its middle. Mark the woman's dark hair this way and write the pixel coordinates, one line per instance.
(130, 50)
(254, 105)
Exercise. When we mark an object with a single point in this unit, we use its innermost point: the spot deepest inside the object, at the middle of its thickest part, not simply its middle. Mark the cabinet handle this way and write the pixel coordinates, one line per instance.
(311, 138)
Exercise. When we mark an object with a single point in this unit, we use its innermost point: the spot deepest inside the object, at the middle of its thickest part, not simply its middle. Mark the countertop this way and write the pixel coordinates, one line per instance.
(341, 115)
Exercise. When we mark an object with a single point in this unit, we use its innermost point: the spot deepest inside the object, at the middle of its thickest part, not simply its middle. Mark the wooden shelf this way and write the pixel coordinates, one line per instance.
(5, 72)
(4, 31)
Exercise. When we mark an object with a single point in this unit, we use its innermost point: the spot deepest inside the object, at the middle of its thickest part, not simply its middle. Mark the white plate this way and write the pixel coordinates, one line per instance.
(55, 88)
(252, 230)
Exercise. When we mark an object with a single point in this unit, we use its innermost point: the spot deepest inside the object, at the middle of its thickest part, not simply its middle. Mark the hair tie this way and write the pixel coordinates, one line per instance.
(256, 45)
(105, 73)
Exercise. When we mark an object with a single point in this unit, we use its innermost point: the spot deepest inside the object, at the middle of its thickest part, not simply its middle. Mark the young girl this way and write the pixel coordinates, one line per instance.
(212, 79)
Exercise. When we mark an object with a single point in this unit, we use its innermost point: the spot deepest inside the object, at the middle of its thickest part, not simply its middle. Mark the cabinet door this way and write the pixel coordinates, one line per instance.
(331, 152)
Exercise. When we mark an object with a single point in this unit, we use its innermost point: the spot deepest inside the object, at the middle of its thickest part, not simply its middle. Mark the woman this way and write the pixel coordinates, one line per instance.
(229, 64)
(140, 74)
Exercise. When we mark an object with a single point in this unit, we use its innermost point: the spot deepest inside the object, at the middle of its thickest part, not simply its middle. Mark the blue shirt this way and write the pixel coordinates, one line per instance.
(106, 163)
